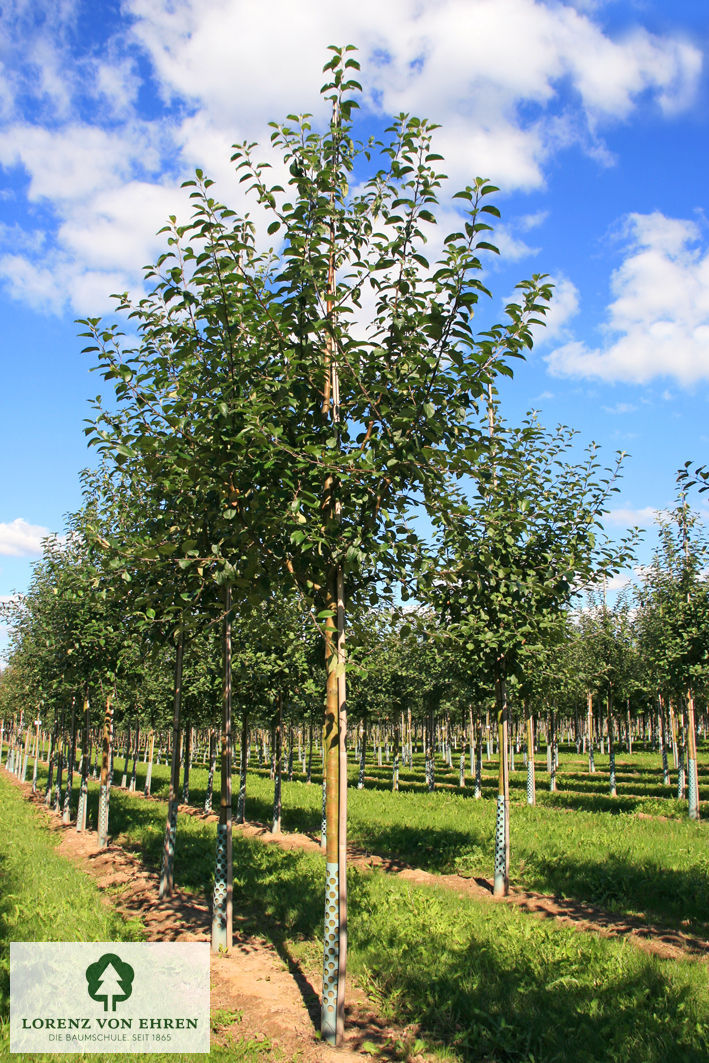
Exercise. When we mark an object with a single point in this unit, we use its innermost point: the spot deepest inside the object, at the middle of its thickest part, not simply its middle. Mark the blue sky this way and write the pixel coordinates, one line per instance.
(591, 116)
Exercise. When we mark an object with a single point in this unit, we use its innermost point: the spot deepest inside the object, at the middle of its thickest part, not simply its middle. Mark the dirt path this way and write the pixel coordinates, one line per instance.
(263, 994)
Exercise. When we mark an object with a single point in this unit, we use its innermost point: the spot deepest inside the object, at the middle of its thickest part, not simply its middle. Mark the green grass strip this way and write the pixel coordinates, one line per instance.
(45, 897)
(486, 981)
(650, 867)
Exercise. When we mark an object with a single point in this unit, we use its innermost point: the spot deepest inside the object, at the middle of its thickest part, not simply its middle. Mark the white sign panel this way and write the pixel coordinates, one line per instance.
(109, 997)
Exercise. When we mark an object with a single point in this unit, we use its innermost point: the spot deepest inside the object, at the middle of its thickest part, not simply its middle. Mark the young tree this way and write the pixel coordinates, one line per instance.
(674, 601)
(511, 559)
(262, 388)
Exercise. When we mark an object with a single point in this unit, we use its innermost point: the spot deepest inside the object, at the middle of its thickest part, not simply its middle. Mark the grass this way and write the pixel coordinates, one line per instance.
(484, 981)
(634, 855)
(44, 897)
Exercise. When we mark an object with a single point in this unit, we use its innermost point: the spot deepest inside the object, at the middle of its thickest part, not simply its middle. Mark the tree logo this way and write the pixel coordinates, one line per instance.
(110, 980)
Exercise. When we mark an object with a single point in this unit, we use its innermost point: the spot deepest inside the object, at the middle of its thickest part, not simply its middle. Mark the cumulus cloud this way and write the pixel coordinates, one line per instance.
(564, 306)
(20, 539)
(619, 582)
(562, 309)
(465, 63)
(106, 222)
(511, 247)
(620, 408)
(69, 163)
(512, 82)
(658, 321)
(628, 517)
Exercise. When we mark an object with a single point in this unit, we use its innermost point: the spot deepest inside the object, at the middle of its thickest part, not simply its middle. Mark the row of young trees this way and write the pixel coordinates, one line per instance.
(76, 640)
(649, 661)
(307, 431)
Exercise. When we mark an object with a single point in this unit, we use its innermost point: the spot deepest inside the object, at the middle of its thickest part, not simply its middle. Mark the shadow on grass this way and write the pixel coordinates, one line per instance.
(562, 799)
(440, 850)
(488, 997)
(473, 977)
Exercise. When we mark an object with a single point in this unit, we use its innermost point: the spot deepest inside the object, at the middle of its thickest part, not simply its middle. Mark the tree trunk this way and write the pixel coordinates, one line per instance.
(692, 775)
(591, 761)
(36, 755)
(334, 957)
(186, 769)
(126, 760)
(680, 745)
(151, 754)
(103, 793)
(210, 775)
(362, 754)
(611, 748)
(531, 780)
(50, 762)
(662, 737)
(85, 765)
(168, 854)
(431, 751)
(502, 826)
(135, 758)
(243, 768)
(395, 762)
(278, 767)
(222, 906)
(551, 746)
(66, 812)
(26, 754)
(673, 731)
(478, 761)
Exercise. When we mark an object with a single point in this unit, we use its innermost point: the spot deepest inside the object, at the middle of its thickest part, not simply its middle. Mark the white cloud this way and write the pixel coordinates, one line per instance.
(618, 582)
(106, 223)
(32, 283)
(658, 321)
(563, 307)
(63, 284)
(117, 229)
(118, 84)
(621, 408)
(511, 247)
(464, 63)
(43, 66)
(229, 66)
(612, 586)
(20, 539)
(533, 221)
(74, 161)
(628, 517)
(14, 238)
